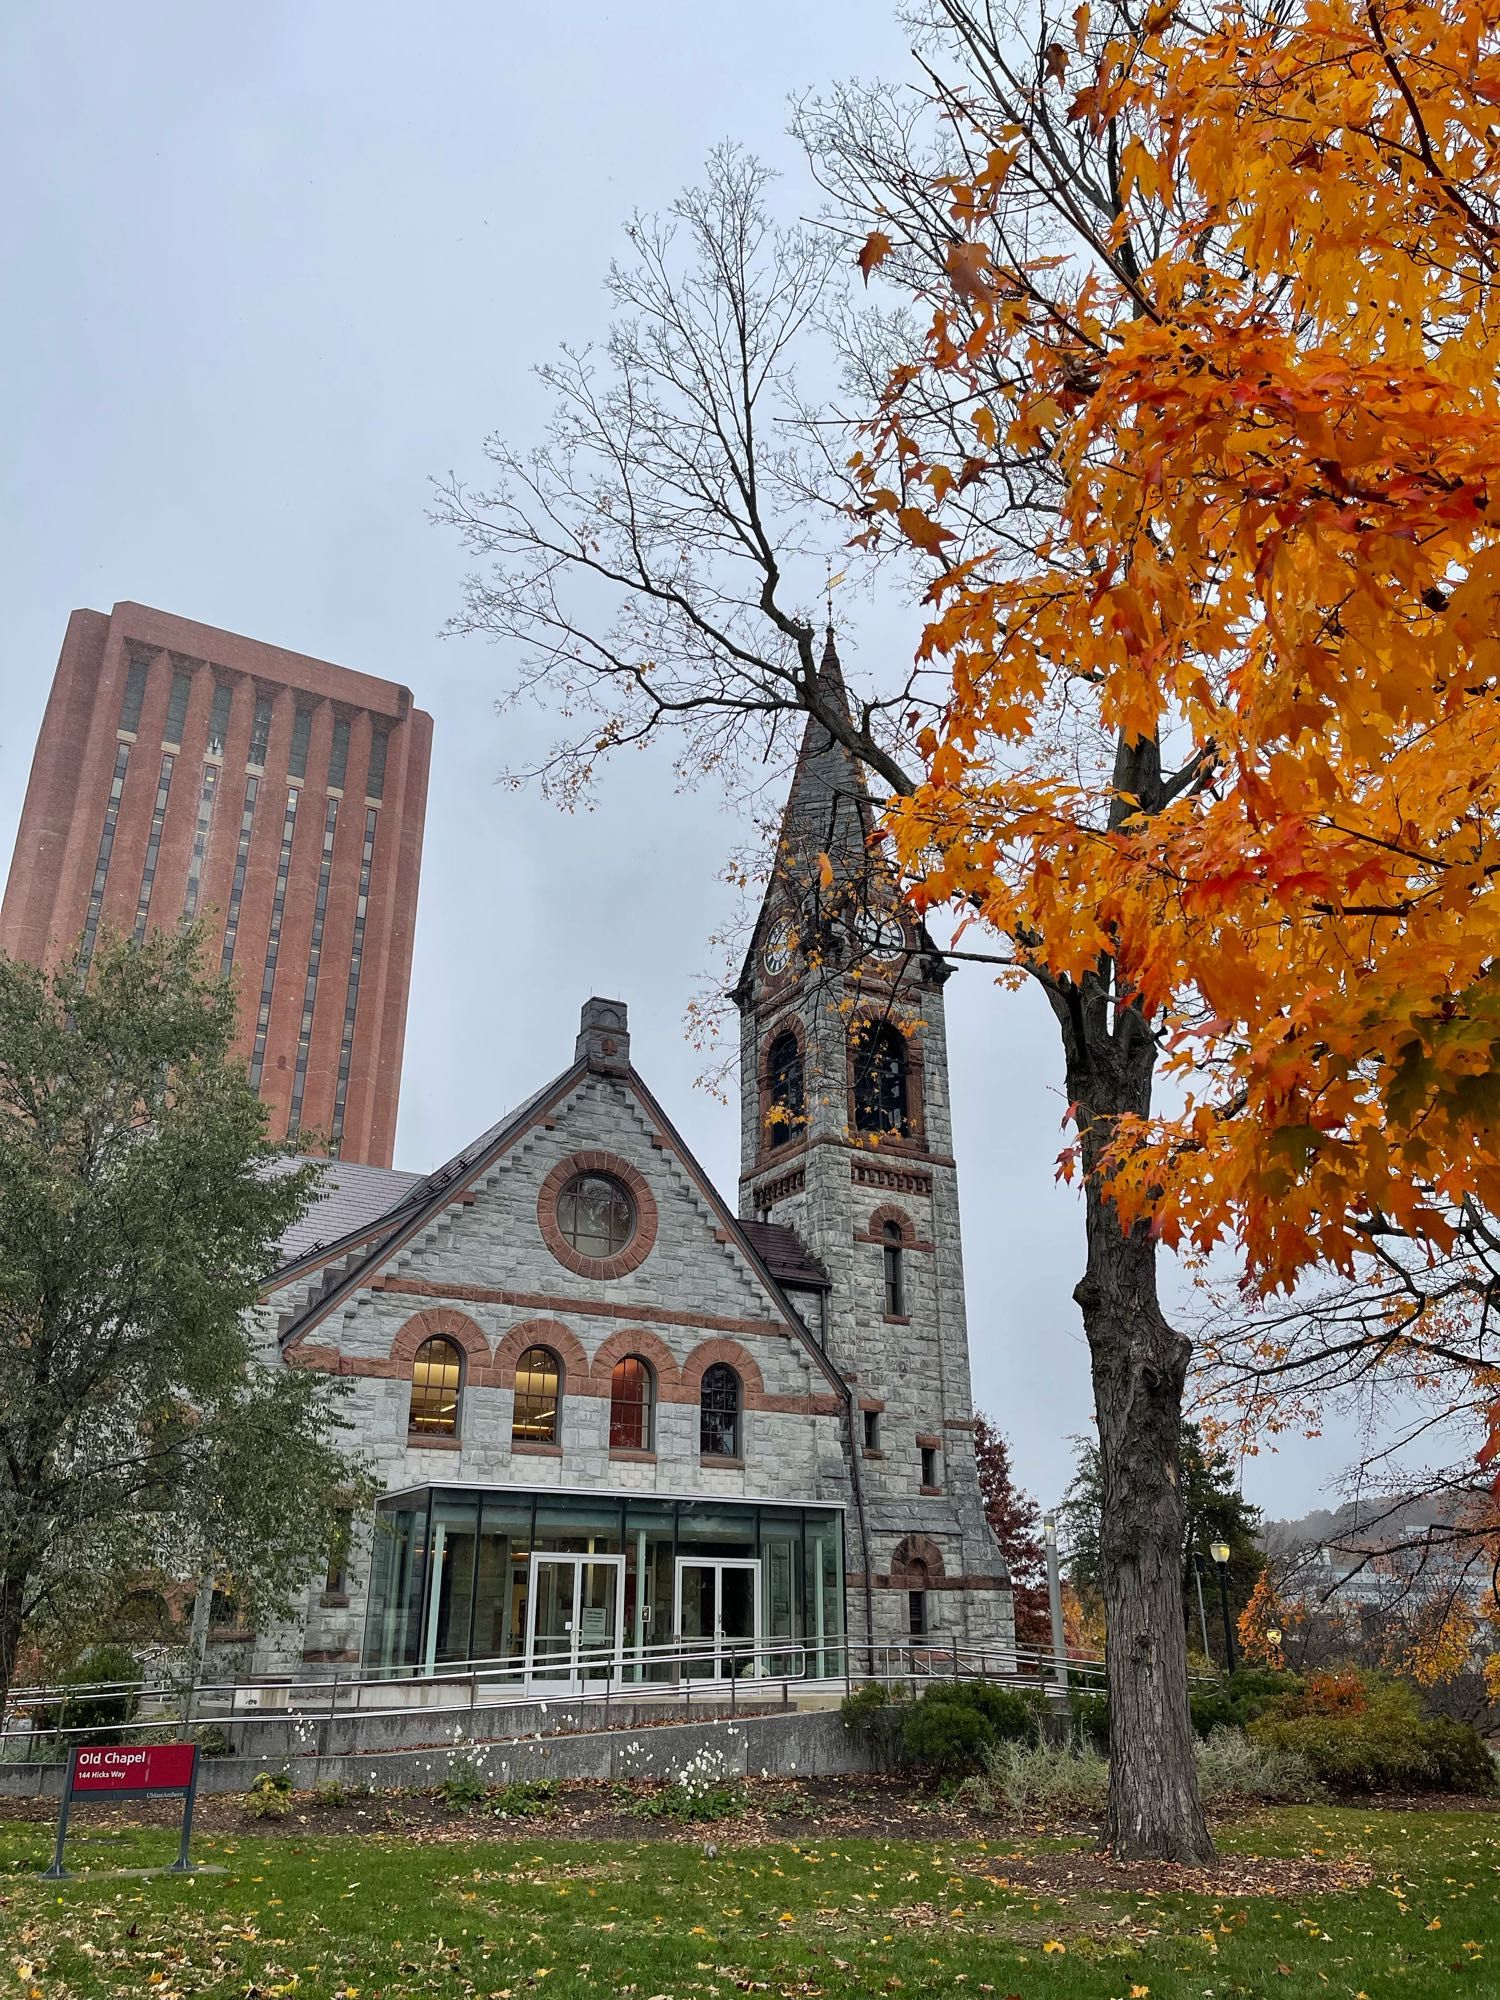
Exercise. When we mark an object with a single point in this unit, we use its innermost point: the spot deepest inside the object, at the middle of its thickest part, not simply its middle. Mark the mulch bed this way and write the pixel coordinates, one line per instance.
(1068, 1875)
(821, 1809)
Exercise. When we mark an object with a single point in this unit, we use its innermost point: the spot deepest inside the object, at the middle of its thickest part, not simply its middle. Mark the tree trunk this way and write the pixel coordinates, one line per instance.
(1139, 1366)
(12, 1623)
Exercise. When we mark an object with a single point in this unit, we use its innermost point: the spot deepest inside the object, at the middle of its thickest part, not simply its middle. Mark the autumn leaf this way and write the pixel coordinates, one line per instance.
(876, 247)
(927, 534)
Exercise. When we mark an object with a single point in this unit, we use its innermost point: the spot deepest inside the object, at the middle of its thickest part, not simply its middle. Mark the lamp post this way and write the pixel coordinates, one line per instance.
(1220, 1553)
(1054, 1602)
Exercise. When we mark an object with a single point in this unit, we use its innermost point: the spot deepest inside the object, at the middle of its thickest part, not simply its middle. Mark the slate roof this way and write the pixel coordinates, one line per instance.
(353, 1196)
(784, 1254)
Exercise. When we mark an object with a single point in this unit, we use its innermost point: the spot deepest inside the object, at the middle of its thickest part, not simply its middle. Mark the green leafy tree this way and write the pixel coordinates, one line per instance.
(145, 1431)
(1213, 1510)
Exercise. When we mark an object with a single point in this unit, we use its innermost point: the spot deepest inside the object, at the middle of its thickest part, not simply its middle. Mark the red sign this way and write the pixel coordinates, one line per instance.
(133, 1767)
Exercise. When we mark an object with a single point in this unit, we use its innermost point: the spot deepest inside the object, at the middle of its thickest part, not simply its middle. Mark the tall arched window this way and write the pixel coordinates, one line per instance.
(785, 1086)
(436, 1380)
(538, 1397)
(895, 1275)
(880, 1078)
(719, 1412)
(631, 1399)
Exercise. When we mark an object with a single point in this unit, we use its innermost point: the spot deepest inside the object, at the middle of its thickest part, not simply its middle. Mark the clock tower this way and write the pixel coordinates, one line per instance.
(847, 1149)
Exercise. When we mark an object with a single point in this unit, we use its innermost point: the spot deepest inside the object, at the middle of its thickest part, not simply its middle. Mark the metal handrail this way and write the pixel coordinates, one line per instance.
(327, 1705)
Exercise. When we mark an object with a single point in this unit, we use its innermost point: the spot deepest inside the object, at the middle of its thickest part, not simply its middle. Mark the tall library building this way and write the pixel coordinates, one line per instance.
(186, 773)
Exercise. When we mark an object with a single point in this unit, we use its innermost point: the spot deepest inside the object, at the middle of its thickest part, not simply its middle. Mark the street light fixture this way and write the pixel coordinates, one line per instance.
(1220, 1553)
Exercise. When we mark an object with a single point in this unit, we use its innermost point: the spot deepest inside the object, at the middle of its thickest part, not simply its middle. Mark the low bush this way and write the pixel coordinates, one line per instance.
(526, 1798)
(102, 1715)
(1232, 1765)
(269, 1796)
(951, 1726)
(708, 1787)
(875, 1716)
(1367, 1733)
(1236, 1700)
(334, 1794)
(1066, 1784)
(465, 1785)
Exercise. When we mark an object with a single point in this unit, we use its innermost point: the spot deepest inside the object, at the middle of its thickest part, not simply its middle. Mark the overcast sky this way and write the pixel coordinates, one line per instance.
(267, 270)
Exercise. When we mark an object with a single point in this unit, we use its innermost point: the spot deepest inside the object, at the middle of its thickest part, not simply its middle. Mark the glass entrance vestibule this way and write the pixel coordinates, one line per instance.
(572, 1590)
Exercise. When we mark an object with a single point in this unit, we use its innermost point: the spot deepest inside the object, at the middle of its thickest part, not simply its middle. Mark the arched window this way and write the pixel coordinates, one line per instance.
(880, 1079)
(784, 1081)
(538, 1396)
(719, 1413)
(631, 1400)
(436, 1380)
(895, 1275)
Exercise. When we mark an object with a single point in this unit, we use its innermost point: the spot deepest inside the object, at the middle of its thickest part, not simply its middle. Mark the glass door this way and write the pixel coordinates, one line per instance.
(718, 1617)
(573, 1620)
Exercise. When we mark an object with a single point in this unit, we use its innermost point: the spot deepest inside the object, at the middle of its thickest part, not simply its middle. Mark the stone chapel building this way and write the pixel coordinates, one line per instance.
(613, 1417)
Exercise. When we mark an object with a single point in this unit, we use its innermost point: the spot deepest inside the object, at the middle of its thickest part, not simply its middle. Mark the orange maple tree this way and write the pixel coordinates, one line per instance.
(1221, 755)
(1279, 547)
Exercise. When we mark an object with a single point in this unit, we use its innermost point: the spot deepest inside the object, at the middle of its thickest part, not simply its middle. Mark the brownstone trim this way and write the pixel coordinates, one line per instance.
(929, 1441)
(910, 1028)
(881, 1581)
(768, 1155)
(636, 1251)
(912, 1550)
(533, 1448)
(872, 1402)
(705, 1354)
(328, 1655)
(711, 1459)
(632, 1455)
(960, 1423)
(930, 1492)
(652, 1349)
(888, 1212)
(896, 1319)
(430, 1441)
(443, 1323)
(572, 1361)
(874, 1230)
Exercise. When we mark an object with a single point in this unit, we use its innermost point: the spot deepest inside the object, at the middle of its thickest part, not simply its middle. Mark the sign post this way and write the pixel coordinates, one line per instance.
(136, 1770)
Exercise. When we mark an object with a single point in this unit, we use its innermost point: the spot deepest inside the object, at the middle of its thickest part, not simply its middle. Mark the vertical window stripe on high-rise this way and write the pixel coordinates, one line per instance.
(153, 843)
(260, 731)
(201, 831)
(106, 846)
(218, 720)
(135, 694)
(177, 707)
(273, 940)
(237, 886)
(351, 996)
(314, 958)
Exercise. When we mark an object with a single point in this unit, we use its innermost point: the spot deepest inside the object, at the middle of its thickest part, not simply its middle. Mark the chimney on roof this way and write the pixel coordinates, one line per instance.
(604, 1037)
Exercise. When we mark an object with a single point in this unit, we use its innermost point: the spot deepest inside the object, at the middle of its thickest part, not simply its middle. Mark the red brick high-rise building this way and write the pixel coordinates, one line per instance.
(185, 772)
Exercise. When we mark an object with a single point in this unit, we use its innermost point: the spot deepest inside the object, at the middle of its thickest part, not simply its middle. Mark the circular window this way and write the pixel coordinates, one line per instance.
(596, 1215)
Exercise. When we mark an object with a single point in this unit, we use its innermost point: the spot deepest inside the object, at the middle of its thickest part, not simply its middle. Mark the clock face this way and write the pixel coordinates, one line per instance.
(776, 953)
(881, 937)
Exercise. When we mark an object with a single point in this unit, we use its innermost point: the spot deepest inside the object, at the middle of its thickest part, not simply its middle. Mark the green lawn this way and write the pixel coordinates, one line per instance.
(391, 1915)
